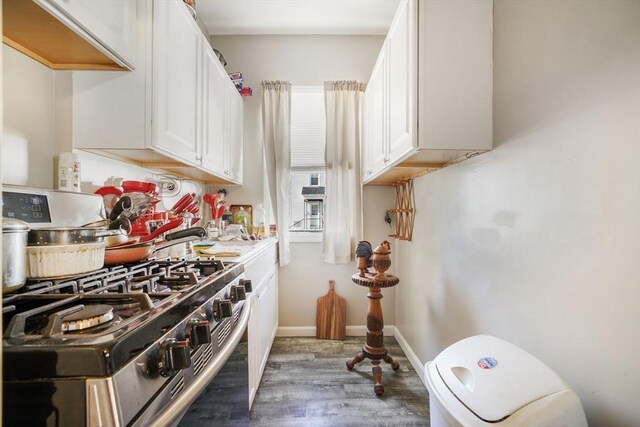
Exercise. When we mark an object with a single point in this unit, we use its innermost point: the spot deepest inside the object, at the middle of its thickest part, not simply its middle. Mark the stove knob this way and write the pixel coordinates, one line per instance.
(237, 293)
(174, 355)
(198, 332)
(247, 285)
(222, 308)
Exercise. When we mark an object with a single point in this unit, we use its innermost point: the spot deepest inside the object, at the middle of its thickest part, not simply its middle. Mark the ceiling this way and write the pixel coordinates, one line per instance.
(347, 17)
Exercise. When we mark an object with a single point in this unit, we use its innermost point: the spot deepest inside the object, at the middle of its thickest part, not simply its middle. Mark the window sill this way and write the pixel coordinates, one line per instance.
(305, 237)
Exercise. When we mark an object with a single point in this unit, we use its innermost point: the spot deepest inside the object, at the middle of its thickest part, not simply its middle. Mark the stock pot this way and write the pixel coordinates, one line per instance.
(14, 254)
(66, 251)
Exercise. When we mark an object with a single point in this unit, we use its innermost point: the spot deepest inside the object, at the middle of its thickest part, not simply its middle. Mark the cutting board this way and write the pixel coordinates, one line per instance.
(331, 315)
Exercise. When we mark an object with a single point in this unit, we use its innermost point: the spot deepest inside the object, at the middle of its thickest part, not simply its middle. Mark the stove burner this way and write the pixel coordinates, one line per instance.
(87, 317)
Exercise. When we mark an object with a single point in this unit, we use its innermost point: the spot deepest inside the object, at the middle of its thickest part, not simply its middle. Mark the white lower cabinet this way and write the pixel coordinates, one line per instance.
(263, 323)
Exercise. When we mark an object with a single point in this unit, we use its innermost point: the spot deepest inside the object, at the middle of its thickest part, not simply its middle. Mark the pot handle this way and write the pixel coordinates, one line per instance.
(166, 227)
(168, 243)
(194, 231)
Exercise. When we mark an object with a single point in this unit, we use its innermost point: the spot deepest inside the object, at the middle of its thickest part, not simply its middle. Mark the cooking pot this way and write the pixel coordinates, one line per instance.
(64, 260)
(141, 251)
(69, 235)
(14, 254)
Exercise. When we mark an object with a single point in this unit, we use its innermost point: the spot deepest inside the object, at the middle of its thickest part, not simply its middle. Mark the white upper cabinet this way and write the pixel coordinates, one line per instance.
(233, 143)
(178, 111)
(214, 112)
(455, 77)
(108, 25)
(375, 142)
(401, 42)
(436, 90)
(176, 60)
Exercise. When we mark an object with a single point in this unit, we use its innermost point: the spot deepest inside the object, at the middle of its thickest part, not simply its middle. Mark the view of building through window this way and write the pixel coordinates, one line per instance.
(307, 159)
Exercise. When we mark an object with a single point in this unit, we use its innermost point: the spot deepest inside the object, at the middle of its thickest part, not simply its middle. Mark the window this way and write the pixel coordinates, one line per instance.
(308, 133)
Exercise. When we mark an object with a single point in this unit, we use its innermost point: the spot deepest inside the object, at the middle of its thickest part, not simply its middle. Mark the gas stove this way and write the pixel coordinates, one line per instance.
(120, 345)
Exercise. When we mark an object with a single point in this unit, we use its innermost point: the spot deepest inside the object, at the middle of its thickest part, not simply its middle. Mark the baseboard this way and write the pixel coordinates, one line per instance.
(310, 331)
(413, 359)
(296, 331)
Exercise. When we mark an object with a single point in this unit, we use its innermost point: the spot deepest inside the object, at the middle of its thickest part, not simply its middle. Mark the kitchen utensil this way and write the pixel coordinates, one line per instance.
(331, 315)
(174, 223)
(212, 201)
(110, 196)
(124, 203)
(184, 202)
(69, 235)
(139, 186)
(61, 260)
(14, 254)
(141, 251)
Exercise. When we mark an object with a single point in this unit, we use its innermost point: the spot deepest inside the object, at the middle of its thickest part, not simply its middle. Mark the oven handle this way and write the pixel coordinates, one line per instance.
(174, 411)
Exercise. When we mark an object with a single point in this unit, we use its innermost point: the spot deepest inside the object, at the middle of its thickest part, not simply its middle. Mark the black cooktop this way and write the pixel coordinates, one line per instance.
(39, 341)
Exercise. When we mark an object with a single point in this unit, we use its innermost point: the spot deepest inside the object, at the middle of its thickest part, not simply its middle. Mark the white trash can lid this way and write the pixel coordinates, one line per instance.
(494, 378)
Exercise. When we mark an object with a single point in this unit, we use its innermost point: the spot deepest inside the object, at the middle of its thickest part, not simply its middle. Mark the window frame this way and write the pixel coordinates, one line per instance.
(307, 236)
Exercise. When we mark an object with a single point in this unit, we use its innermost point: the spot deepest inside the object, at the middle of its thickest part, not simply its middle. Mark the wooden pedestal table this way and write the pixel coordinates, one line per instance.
(374, 348)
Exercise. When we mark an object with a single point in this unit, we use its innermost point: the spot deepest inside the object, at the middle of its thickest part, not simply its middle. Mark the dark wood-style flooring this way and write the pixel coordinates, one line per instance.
(306, 383)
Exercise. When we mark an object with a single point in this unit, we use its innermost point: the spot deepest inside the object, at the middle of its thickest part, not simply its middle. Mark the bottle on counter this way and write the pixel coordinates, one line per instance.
(258, 221)
(241, 218)
(225, 220)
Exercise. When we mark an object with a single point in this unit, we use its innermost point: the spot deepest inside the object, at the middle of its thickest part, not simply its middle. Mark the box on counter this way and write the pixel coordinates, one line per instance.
(246, 91)
(235, 76)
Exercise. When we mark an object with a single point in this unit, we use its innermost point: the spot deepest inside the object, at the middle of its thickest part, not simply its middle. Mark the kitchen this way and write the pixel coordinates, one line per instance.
(535, 241)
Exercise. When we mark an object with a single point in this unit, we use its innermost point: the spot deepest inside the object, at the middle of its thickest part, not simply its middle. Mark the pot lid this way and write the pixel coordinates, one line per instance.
(11, 225)
(494, 378)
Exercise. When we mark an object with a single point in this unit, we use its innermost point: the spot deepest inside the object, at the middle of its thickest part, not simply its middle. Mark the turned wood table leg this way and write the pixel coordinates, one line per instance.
(356, 359)
(394, 365)
(378, 388)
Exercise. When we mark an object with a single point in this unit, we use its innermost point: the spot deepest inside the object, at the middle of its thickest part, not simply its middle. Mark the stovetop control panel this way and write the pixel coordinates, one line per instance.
(31, 208)
(41, 207)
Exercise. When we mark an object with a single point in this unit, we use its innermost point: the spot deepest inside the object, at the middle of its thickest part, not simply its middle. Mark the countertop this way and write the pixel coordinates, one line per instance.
(248, 249)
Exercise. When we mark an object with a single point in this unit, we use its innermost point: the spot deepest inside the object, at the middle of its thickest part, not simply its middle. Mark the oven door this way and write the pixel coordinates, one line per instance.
(232, 366)
(225, 401)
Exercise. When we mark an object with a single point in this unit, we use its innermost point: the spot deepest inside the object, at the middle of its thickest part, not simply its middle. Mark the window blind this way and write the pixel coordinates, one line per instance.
(308, 129)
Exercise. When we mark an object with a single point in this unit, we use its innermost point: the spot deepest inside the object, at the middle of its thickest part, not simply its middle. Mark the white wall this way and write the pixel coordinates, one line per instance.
(538, 241)
(305, 61)
(27, 140)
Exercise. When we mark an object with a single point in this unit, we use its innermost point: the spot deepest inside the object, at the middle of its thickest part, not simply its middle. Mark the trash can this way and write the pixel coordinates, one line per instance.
(486, 381)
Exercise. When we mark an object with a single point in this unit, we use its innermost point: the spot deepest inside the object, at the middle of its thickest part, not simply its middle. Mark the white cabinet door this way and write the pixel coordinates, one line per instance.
(401, 66)
(176, 56)
(377, 144)
(109, 25)
(365, 143)
(268, 316)
(234, 142)
(254, 348)
(213, 112)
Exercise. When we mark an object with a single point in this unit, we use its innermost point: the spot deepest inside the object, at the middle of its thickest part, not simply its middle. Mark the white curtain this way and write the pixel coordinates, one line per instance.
(343, 202)
(276, 128)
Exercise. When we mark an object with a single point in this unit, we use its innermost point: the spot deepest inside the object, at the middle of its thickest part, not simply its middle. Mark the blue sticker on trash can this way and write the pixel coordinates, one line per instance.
(487, 363)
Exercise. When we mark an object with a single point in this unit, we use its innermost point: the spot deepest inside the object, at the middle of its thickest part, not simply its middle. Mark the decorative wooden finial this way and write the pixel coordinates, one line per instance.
(381, 260)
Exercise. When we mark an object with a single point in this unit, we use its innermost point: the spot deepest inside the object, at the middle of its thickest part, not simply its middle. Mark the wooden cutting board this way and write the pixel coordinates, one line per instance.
(331, 315)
